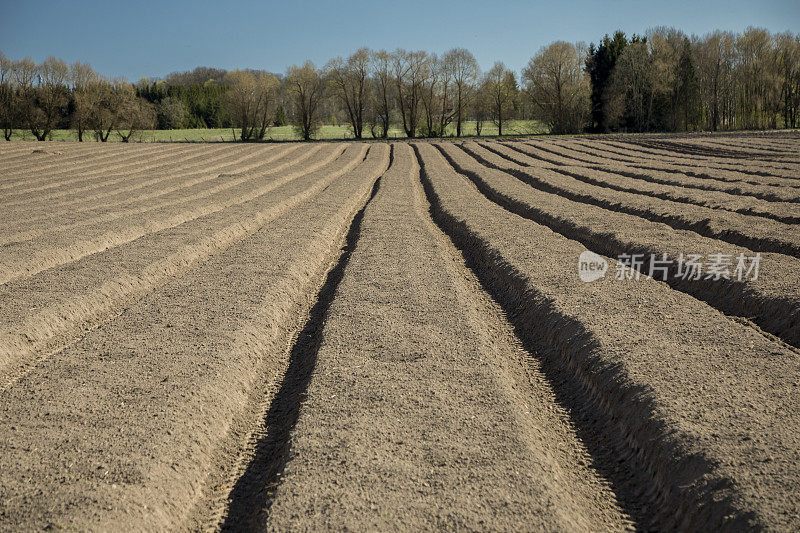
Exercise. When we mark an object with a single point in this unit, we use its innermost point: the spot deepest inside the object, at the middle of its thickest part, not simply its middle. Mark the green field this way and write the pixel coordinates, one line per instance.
(282, 133)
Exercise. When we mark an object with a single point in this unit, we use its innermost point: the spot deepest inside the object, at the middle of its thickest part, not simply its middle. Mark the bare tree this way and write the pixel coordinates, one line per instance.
(348, 81)
(665, 107)
(465, 72)
(103, 100)
(788, 59)
(80, 76)
(445, 96)
(5, 69)
(409, 71)
(628, 97)
(758, 78)
(558, 87)
(24, 77)
(133, 114)
(501, 86)
(480, 105)
(715, 62)
(7, 100)
(250, 102)
(381, 62)
(306, 89)
(430, 97)
(43, 94)
(267, 89)
(52, 96)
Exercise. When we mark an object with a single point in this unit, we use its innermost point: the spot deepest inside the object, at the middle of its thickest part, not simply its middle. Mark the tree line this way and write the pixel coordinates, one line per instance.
(668, 81)
(663, 80)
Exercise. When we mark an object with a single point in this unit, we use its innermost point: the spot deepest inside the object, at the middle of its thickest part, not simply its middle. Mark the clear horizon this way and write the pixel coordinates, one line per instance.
(152, 40)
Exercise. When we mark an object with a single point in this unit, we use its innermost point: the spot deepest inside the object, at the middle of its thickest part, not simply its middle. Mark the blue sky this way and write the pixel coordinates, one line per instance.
(153, 38)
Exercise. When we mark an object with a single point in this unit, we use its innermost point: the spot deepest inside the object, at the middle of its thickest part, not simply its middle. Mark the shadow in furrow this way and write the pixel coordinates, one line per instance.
(657, 484)
(733, 183)
(251, 497)
(647, 148)
(606, 185)
(777, 315)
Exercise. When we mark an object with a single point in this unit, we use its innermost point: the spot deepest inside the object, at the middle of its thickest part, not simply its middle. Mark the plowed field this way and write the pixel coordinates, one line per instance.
(546, 334)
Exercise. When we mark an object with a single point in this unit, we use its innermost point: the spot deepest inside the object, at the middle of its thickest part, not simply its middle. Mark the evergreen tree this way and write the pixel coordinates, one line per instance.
(599, 65)
(688, 90)
(280, 117)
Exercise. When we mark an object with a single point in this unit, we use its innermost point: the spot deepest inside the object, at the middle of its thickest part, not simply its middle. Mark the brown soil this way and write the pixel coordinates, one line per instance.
(339, 336)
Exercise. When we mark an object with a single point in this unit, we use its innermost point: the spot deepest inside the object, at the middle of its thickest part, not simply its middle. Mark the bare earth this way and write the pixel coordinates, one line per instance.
(372, 336)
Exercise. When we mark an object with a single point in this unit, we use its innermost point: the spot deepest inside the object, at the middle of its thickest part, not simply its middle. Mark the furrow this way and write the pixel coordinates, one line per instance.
(594, 159)
(704, 173)
(36, 322)
(757, 234)
(31, 257)
(42, 162)
(657, 381)
(83, 163)
(611, 178)
(663, 176)
(21, 154)
(11, 151)
(422, 375)
(185, 194)
(784, 212)
(700, 152)
(87, 198)
(186, 161)
(260, 466)
(564, 156)
(23, 150)
(771, 301)
(745, 168)
(200, 346)
(629, 150)
(773, 146)
(70, 180)
(65, 179)
(536, 151)
(116, 186)
(679, 167)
